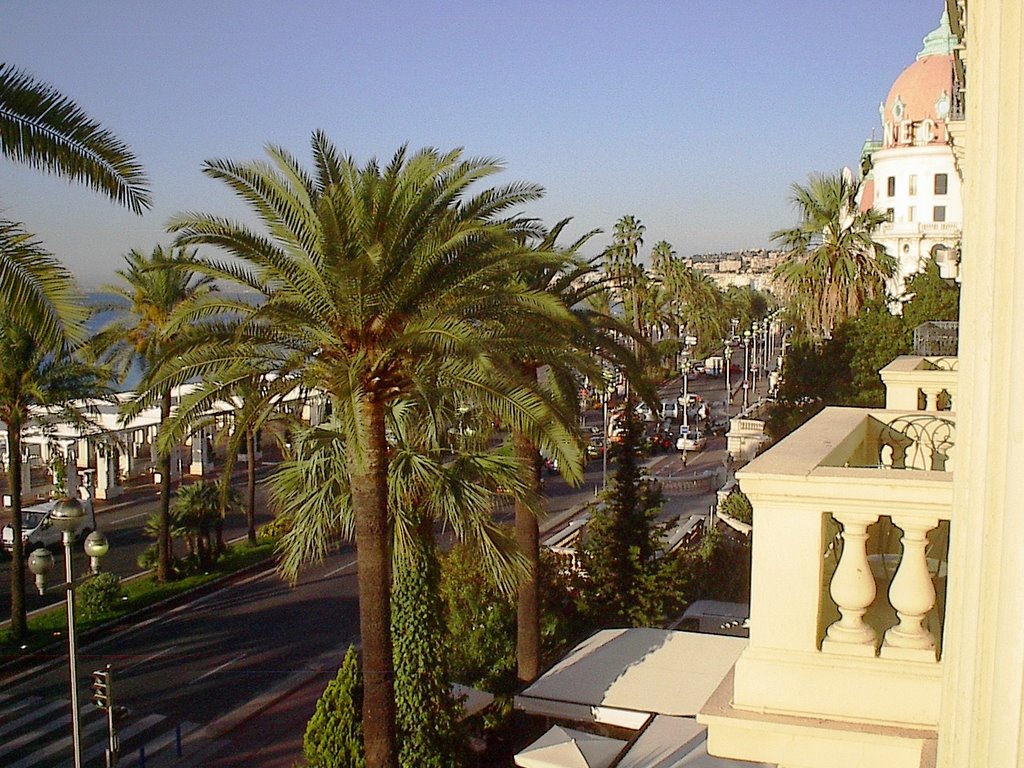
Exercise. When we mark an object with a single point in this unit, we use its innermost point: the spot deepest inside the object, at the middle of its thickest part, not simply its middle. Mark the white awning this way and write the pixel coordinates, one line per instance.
(622, 676)
(568, 748)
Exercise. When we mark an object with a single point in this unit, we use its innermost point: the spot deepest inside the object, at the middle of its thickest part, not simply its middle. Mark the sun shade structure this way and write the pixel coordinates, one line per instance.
(623, 676)
(567, 748)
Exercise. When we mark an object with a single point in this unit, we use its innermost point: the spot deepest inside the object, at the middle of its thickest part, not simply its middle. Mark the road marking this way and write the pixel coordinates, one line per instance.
(341, 568)
(133, 517)
(147, 659)
(215, 670)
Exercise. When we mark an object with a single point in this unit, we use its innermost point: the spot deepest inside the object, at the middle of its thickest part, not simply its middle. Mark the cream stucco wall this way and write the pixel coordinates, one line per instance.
(983, 692)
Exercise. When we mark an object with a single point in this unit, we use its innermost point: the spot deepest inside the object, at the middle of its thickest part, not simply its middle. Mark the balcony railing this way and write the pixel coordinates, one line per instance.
(921, 383)
(852, 515)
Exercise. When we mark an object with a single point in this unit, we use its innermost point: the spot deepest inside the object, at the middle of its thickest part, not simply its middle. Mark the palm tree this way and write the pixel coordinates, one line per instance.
(37, 383)
(833, 265)
(621, 264)
(42, 128)
(157, 289)
(569, 354)
(443, 470)
(367, 272)
(662, 254)
(197, 510)
(255, 403)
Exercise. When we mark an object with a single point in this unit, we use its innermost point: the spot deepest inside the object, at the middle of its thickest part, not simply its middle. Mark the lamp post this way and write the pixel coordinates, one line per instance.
(746, 368)
(727, 344)
(688, 342)
(68, 516)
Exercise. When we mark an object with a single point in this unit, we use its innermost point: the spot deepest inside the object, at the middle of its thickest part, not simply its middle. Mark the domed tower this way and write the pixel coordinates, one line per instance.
(911, 175)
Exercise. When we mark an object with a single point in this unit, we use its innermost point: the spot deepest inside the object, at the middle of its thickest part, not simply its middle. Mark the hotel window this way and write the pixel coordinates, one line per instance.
(912, 185)
(941, 183)
(890, 214)
(892, 186)
(910, 214)
(939, 213)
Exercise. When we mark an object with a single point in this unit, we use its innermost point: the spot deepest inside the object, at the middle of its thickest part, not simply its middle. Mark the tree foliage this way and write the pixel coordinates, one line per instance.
(738, 506)
(481, 623)
(620, 555)
(44, 129)
(156, 292)
(372, 282)
(99, 594)
(843, 370)
(427, 715)
(832, 266)
(334, 734)
(932, 298)
(45, 383)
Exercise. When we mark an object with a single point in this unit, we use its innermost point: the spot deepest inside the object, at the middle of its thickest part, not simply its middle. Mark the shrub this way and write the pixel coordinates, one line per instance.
(738, 507)
(276, 528)
(334, 735)
(481, 623)
(99, 594)
(147, 558)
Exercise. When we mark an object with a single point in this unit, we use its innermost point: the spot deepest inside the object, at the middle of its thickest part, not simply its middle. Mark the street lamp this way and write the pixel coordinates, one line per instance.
(727, 343)
(68, 516)
(746, 368)
(688, 341)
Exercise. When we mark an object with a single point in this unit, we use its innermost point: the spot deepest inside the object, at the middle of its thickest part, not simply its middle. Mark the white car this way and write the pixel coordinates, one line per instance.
(691, 441)
(38, 530)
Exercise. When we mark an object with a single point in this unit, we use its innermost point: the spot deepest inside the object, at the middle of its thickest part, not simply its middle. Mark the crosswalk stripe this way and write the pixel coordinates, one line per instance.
(10, 722)
(125, 736)
(9, 745)
(58, 747)
(41, 735)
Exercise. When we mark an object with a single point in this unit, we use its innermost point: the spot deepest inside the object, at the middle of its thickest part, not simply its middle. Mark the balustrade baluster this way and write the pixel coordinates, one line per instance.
(912, 594)
(853, 589)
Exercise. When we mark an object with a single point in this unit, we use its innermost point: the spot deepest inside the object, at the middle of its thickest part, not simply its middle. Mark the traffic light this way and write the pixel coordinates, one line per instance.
(101, 693)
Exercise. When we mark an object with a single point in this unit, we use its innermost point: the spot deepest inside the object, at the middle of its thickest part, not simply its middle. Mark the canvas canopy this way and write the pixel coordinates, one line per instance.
(567, 748)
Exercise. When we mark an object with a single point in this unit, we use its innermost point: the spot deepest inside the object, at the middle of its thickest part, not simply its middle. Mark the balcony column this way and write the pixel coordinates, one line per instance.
(931, 398)
(853, 589)
(912, 594)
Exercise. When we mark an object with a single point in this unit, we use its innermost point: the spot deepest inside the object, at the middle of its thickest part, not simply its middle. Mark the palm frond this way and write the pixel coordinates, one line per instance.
(44, 129)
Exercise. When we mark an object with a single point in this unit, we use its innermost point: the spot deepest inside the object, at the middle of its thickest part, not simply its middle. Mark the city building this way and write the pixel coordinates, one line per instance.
(910, 173)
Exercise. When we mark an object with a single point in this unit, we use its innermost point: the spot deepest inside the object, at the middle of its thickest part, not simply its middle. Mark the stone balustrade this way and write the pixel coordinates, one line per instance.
(853, 515)
(920, 383)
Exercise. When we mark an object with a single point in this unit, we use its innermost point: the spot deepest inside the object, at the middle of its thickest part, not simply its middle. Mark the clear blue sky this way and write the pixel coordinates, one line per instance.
(694, 115)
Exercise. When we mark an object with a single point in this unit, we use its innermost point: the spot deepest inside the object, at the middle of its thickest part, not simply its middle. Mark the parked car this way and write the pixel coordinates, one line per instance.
(38, 530)
(691, 440)
(645, 412)
(670, 409)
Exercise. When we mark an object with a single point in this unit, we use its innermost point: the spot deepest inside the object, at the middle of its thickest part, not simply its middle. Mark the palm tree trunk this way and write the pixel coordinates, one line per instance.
(250, 484)
(528, 599)
(368, 481)
(528, 541)
(163, 541)
(19, 624)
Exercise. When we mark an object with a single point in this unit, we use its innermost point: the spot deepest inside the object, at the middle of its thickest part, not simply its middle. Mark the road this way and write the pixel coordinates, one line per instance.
(123, 525)
(198, 662)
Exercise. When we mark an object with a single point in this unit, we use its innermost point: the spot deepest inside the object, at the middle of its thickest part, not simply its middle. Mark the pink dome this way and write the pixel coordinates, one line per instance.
(922, 92)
